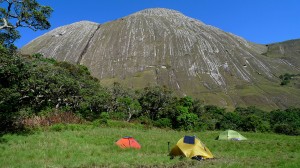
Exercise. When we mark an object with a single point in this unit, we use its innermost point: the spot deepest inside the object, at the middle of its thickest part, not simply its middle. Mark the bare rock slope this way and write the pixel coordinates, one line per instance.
(164, 47)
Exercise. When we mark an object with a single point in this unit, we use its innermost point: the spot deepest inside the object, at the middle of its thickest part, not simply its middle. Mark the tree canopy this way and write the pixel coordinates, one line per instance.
(21, 13)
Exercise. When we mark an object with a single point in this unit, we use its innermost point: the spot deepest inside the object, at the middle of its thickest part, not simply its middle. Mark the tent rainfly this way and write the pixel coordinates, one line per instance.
(191, 147)
(128, 142)
(230, 135)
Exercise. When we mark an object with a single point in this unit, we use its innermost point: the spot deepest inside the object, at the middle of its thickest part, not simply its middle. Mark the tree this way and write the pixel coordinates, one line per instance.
(116, 91)
(251, 123)
(129, 106)
(211, 116)
(8, 37)
(286, 121)
(186, 101)
(21, 13)
(230, 120)
(13, 70)
(185, 119)
(153, 100)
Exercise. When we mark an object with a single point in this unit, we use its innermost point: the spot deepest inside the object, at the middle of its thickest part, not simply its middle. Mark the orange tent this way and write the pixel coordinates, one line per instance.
(128, 142)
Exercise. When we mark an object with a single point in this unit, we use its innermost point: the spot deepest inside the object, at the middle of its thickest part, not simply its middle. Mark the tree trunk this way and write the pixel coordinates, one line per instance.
(129, 115)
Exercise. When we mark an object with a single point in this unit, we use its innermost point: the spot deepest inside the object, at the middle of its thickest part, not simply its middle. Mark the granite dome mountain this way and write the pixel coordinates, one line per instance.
(164, 47)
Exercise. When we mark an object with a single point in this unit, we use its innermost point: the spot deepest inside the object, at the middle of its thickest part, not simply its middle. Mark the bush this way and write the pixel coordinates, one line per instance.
(286, 129)
(58, 127)
(72, 127)
(152, 99)
(286, 121)
(286, 78)
(103, 119)
(251, 123)
(210, 116)
(230, 120)
(163, 123)
(51, 118)
(145, 120)
(186, 120)
(117, 115)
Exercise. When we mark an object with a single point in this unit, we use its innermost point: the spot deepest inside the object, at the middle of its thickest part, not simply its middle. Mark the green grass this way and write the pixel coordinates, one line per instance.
(89, 146)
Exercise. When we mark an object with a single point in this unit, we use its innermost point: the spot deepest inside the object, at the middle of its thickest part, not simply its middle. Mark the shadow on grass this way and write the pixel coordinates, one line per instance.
(3, 140)
(21, 132)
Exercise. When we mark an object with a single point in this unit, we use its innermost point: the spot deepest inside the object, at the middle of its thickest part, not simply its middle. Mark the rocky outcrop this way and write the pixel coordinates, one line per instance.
(164, 47)
(67, 43)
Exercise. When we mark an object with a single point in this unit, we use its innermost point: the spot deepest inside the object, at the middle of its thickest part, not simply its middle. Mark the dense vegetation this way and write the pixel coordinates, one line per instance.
(35, 86)
(286, 78)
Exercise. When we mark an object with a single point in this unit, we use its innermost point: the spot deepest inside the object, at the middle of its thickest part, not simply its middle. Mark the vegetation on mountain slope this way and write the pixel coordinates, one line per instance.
(286, 78)
(36, 86)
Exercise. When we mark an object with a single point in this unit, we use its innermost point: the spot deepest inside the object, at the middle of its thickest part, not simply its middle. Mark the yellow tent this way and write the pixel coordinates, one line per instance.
(191, 147)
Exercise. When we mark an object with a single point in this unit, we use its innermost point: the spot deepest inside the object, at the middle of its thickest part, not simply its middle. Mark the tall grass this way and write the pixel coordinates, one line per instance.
(89, 146)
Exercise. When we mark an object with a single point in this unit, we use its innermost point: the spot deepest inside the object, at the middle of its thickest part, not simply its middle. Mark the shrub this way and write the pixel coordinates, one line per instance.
(153, 99)
(251, 123)
(104, 117)
(58, 127)
(230, 120)
(163, 123)
(186, 120)
(286, 129)
(145, 120)
(286, 121)
(52, 118)
(72, 127)
(286, 78)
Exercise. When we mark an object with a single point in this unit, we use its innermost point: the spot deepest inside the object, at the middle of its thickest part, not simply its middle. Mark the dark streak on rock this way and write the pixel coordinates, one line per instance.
(87, 45)
(157, 76)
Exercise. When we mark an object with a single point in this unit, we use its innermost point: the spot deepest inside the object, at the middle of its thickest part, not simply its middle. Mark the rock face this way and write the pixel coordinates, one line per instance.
(164, 47)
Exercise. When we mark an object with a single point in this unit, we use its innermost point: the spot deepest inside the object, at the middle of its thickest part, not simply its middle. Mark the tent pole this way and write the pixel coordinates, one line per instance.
(129, 142)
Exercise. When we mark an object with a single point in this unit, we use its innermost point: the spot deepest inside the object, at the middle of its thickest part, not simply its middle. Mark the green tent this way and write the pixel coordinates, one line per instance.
(230, 135)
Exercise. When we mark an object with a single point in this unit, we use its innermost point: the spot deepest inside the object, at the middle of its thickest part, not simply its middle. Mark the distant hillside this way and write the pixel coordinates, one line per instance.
(164, 47)
(288, 52)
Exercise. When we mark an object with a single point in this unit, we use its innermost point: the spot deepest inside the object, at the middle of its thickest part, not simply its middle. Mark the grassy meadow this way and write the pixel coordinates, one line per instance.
(92, 146)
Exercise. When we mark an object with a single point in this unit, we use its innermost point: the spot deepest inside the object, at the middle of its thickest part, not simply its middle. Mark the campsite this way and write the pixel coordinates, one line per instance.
(150, 84)
(91, 146)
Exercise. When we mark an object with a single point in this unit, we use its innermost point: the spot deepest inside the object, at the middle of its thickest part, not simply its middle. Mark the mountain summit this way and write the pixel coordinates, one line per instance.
(164, 47)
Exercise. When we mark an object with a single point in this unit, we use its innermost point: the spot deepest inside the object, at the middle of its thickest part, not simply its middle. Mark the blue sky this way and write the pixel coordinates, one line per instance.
(259, 21)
